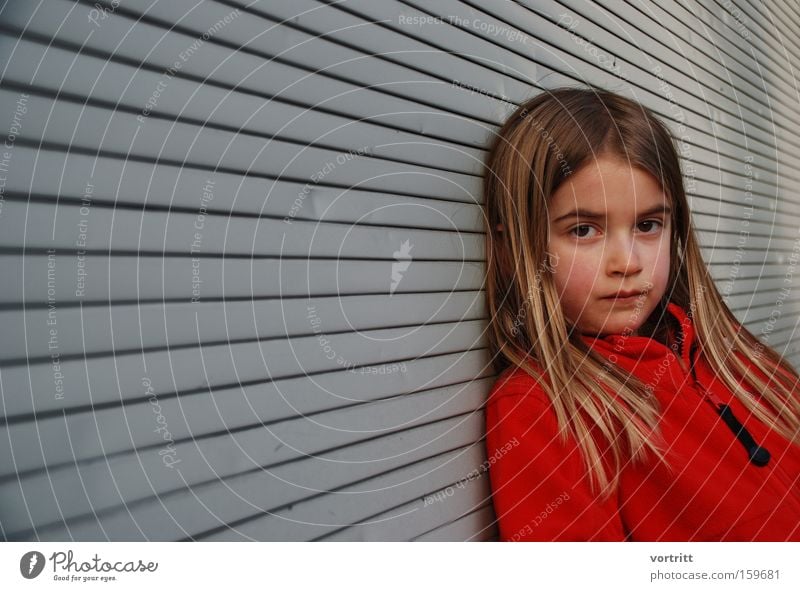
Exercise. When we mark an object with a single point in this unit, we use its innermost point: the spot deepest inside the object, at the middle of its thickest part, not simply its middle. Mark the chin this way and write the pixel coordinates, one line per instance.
(615, 328)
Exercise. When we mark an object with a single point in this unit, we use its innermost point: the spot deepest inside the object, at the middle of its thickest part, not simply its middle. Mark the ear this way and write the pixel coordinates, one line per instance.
(499, 227)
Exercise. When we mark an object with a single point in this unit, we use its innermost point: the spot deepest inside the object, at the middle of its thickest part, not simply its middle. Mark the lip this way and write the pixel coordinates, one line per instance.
(625, 296)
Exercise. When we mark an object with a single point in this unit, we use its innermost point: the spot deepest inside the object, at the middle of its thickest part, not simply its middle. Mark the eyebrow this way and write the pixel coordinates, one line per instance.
(585, 213)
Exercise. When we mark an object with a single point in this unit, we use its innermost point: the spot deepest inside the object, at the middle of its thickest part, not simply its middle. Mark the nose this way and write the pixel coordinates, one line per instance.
(623, 256)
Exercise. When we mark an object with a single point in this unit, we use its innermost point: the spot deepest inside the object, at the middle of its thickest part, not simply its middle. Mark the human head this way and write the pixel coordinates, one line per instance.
(624, 250)
(549, 142)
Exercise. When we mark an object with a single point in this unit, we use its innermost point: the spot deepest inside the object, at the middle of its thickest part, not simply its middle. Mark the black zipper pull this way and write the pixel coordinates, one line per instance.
(757, 455)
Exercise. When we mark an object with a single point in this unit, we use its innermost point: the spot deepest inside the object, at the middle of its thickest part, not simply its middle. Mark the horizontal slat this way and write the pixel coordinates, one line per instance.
(413, 519)
(56, 174)
(83, 437)
(228, 496)
(260, 73)
(757, 163)
(696, 39)
(729, 180)
(478, 526)
(319, 515)
(98, 129)
(335, 42)
(224, 453)
(721, 272)
(749, 290)
(727, 256)
(190, 101)
(136, 279)
(114, 180)
(98, 380)
(723, 238)
(778, 234)
(720, 140)
(99, 329)
(676, 68)
(767, 216)
(559, 52)
(765, 314)
(238, 405)
(772, 304)
(60, 175)
(762, 29)
(69, 227)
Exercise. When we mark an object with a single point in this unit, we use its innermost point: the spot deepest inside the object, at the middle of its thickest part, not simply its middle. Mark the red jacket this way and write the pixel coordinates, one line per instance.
(715, 493)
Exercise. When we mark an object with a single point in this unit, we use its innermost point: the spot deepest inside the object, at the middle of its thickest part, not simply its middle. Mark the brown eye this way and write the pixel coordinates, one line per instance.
(579, 229)
(651, 224)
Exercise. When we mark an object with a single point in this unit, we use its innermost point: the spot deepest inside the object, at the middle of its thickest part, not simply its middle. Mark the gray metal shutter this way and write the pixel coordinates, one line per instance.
(242, 251)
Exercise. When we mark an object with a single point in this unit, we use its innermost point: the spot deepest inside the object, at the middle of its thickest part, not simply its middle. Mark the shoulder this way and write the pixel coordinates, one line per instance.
(517, 401)
(515, 381)
(519, 405)
(519, 409)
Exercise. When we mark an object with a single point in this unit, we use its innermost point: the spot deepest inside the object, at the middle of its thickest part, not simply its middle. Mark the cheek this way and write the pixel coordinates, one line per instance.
(576, 274)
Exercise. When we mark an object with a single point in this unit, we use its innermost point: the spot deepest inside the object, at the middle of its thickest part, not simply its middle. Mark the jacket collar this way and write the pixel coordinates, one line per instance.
(643, 348)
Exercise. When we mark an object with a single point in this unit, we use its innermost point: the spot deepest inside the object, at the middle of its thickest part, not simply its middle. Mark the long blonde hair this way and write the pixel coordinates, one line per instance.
(545, 140)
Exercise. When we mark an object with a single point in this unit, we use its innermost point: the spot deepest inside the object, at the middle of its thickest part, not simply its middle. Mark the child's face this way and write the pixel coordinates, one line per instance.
(625, 249)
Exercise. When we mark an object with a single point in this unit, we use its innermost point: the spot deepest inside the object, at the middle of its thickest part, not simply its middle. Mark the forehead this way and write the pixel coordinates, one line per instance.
(607, 185)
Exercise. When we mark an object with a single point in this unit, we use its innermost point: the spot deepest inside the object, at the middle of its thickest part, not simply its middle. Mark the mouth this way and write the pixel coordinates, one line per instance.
(625, 296)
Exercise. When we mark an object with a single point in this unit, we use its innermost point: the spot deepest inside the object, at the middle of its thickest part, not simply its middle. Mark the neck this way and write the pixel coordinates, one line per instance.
(656, 330)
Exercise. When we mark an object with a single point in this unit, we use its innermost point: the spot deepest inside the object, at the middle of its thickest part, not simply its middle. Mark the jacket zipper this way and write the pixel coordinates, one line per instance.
(757, 455)
(718, 404)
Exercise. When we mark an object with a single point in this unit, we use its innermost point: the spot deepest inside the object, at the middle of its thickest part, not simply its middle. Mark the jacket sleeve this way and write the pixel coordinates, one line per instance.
(539, 486)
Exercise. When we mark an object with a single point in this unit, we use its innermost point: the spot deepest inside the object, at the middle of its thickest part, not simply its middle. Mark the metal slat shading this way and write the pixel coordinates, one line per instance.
(308, 389)
(127, 278)
(407, 520)
(158, 186)
(159, 47)
(80, 127)
(711, 54)
(205, 453)
(446, 505)
(175, 325)
(478, 526)
(199, 413)
(335, 42)
(100, 380)
(78, 437)
(228, 496)
(126, 230)
(227, 109)
(690, 83)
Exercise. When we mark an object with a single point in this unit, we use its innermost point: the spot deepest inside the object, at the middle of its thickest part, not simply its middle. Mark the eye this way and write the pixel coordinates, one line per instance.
(579, 228)
(652, 224)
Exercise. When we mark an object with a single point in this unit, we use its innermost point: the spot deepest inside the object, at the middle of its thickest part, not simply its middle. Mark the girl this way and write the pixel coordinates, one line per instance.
(637, 406)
